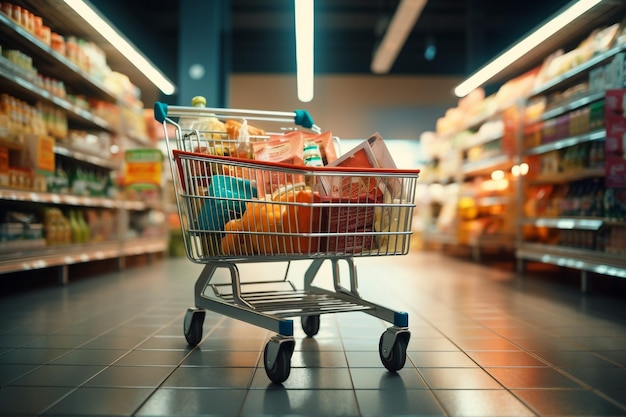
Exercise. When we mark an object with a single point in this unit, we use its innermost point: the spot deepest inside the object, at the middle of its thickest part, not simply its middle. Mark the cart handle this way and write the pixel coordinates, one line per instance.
(300, 117)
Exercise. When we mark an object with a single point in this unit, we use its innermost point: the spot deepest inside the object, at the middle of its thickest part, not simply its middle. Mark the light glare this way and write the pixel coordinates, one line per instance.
(304, 49)
(123, 46)
(521, 48)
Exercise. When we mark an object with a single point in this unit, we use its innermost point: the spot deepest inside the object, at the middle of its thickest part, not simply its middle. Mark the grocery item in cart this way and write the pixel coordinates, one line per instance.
(284, 149)
(225, 201)
(349, 221)
(286, 223)
(325, 143)
(208, 127)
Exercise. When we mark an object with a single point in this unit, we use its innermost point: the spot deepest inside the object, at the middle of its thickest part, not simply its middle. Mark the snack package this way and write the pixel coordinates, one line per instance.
(283, 149)
(326, 145)
(233, 127)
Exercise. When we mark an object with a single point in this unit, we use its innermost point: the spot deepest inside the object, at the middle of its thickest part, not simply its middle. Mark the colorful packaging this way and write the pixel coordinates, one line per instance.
(282, 149)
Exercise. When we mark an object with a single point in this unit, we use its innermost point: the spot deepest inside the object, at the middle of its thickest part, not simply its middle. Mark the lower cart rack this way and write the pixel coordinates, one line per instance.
(271, 309)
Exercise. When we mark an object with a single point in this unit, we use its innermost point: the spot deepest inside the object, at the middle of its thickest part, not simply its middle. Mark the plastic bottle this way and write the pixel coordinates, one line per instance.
(83, 227)
(208, 129)
(75, 228)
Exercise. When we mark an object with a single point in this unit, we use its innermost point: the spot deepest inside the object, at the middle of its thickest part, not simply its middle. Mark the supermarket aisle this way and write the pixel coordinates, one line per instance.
(482, 345)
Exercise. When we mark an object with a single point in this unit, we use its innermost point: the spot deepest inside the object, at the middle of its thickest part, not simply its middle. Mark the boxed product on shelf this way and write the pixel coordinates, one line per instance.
(615, 146)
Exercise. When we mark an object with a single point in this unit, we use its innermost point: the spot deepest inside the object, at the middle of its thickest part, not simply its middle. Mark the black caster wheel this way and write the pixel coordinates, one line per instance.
(394, 358)
(277, 359)
(311, 324)
(194, 319)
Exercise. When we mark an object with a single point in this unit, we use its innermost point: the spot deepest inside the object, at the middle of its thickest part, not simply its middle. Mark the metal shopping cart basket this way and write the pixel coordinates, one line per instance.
(240, 210)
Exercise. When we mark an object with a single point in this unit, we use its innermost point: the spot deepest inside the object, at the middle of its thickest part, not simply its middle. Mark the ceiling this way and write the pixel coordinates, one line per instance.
(467, 33)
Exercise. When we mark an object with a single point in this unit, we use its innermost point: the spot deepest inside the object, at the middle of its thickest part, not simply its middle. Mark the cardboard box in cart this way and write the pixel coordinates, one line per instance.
(352, 226)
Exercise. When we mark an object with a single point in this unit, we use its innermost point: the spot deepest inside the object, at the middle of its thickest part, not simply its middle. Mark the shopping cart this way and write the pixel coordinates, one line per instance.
(239, 210)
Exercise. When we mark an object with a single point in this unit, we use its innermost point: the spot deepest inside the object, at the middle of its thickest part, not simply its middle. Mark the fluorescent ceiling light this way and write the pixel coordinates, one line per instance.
(402, 23)
(122, 45)
(518, 50)
(304, 49)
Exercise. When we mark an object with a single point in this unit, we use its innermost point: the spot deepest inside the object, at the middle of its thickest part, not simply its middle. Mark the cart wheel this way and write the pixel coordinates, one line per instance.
(311, 324)
(396, 356)
(279, 371)
(194, 318)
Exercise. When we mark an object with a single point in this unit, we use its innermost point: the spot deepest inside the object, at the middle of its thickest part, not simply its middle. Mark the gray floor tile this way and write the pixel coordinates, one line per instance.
(575, 359)
(152, 358)
(218, 358)
(398, 403)
(381, 379)
(442, 359)
(482, 403)
(208, 377)
(318, 359)
(505, 359)
(532, 377)
(31, 356)
(568, 403)
(172, 402)
(309, 379)
(114, 342)
(16, 340)
(618, 357)
(131, 377)
(432, 344)
(459, 378)
(58, 376)
(16, 401)
(100, 402)
(276, 401)
(485, 344)
(58, 342)
(599, 377)
(160, 342)
(364, 359)
(598, 343)
(481, 345)
(90, 357)
(9, 372)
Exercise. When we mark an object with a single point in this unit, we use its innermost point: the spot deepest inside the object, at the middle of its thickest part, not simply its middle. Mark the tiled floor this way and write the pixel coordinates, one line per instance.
(482, 344)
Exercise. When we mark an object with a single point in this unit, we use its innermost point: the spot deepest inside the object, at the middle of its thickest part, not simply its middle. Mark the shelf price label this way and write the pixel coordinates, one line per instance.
(143, 168)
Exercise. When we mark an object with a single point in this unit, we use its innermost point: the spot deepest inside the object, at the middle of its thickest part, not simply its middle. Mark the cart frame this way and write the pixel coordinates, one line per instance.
(272, 303)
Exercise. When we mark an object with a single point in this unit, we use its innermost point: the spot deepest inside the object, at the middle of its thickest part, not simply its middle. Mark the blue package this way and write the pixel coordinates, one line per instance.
(226, 201)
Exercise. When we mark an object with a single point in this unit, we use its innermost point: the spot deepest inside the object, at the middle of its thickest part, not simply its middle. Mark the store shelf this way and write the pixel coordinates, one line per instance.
(73, 254)
(567, 223)
(566, 177)
(481, 140)
(140, 246)
(441, 238)
(55, 64)
(17, 85)
(598, 262)
(99, 161)
(8, 194)
(493, 201)
(580, 71)
(487, 165)
(566, 143)
(570, 105)
(500, 242)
